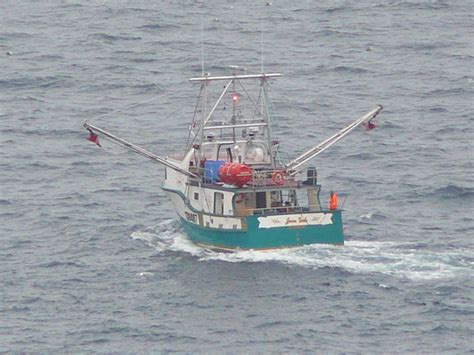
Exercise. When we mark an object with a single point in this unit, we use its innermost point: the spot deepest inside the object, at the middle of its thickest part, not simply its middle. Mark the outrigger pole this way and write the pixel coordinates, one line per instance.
(137, 149)
(303, 158)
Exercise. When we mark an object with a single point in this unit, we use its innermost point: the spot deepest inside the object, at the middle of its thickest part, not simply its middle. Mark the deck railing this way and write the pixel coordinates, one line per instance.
(260, 178)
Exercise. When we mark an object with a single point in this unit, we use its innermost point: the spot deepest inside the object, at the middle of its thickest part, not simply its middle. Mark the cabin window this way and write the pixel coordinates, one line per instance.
(218, 203)
(196, 196)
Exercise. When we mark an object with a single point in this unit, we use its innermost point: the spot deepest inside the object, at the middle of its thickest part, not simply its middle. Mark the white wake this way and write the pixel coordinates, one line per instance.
(363, 257)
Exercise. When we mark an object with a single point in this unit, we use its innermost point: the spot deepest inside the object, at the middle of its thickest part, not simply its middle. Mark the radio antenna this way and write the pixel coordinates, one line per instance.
(202, 46)
(261, 44)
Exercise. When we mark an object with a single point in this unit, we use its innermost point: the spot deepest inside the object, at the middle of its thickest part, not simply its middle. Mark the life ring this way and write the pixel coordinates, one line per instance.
(278, 178)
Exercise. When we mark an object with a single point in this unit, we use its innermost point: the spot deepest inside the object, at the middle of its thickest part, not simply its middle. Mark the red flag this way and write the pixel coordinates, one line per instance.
(369, 125)
(94, 138)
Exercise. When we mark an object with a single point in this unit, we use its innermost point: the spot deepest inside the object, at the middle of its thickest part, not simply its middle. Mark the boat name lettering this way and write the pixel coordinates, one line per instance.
(192, 217)
(300, 219)
(295, 220)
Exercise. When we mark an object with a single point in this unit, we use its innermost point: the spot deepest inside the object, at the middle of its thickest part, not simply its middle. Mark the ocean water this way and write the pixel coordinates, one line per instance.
(92, 257)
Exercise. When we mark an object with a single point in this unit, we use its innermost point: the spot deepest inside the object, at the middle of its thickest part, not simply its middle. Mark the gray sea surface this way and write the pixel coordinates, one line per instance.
(92, 256)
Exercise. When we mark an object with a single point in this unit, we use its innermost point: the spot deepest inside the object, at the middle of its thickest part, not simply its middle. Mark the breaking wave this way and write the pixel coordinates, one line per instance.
(401, 260)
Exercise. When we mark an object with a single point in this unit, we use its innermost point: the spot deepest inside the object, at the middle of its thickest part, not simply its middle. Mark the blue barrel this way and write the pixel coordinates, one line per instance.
(211, 170)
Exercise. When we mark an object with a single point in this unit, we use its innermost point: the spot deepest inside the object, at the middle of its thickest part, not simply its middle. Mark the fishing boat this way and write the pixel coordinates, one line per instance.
(231, 187)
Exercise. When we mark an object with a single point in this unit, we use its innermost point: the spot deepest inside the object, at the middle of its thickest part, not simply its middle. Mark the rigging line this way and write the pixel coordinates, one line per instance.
(283, 153)
(249, 97)
(138, 103)
(205, 196)
(272, 110)
(289, 99)
(188, 144)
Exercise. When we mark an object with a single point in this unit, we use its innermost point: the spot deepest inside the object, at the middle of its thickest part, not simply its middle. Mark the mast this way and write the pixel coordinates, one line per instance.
(202, 123)
(267, 120)
(233, 82)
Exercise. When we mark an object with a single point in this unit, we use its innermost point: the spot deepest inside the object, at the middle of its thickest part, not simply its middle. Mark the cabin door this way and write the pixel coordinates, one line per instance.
(218, 203)
(261, 199)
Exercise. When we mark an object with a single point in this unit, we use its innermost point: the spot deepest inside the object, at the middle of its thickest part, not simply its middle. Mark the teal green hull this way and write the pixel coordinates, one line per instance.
(267, 238)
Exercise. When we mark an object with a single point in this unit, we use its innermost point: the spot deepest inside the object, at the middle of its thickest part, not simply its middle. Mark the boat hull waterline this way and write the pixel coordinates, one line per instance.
(253, 232)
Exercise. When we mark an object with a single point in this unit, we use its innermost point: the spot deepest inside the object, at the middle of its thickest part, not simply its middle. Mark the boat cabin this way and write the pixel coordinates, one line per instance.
(260, 196)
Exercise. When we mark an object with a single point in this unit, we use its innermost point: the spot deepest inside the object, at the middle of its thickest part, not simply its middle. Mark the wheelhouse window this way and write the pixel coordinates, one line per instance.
(196, 196)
